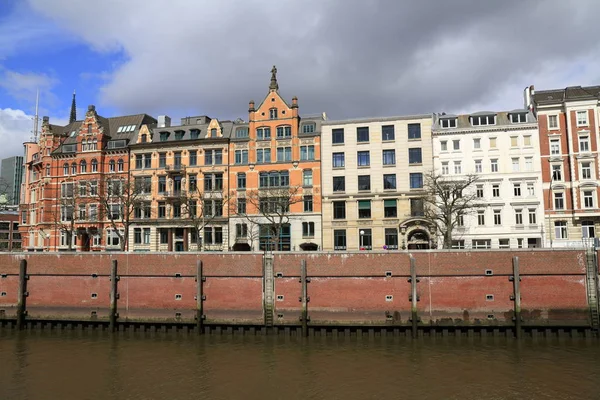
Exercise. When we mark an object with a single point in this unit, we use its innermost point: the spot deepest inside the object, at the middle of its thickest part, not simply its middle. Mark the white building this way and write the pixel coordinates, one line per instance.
(503, 149)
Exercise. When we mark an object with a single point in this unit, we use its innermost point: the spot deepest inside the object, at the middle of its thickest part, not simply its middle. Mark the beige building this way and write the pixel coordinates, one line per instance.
(373, 172)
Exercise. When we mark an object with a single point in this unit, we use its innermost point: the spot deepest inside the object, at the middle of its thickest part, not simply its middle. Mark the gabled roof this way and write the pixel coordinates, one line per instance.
(571, 93)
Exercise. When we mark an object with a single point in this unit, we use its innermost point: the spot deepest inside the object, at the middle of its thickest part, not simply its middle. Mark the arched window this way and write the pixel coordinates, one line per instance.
(47, 169)
(120, 165)
(65, 169)
(89, 128)
(94, 165)
(73, 169)
(111, 166)
(83, 166)
(94, 144)
(284, 131)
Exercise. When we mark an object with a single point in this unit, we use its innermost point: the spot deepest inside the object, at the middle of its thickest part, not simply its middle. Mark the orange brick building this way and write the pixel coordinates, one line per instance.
(275, 151)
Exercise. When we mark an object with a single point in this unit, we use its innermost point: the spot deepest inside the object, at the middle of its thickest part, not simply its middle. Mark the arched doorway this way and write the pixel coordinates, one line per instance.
(417, 234)
(418, 239)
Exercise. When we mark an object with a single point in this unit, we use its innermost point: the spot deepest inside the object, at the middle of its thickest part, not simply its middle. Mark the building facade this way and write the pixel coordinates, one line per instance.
(373, 171)
(500, 152)
(10, 238)
(569, 137)
(11, 175)
(181, 178)
(70, 172)
(275, 177)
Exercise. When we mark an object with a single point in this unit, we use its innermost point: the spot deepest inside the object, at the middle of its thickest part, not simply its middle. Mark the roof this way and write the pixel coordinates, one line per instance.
(571, 93)
(377, 119)
(227, 128)
(502, 120)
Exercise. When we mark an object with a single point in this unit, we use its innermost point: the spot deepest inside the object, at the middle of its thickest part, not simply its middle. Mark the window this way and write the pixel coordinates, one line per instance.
(519, 216)
(586, 170)
(273, 113)
(364, 209)
(146, 235)
(364, 182)
(82, 189)
(162, 160)
(337, 136)
(480, 217)
(307, 177)
(138, 161)
(587, 229)
(477, 143)
(448, 123)
(307, 153)
(164, 236)
(479, 191)
(503, 243)
(387, 133)
(308, 229)
(559, 201)
(517, 189)
(390, 208)
(274, 179)
(582, 118)
(588, 199)
(416, 180)
(82, 216)
(162, 184)
(93, 188)
(457, 167)
(365, 239)
(530, 189)
(389, 181)
(208, 235)
(263, 133)
(514, 141)
(339, 183)
(162, 209)
(193, 183)
(66, 190)
(213, 133)
(478, 166)
(515, 164)
(263, 156)
(391, 238)
(495, 190)
(339, 210)
(444, 145)
(308, 203)
(414, 131)
(552, 121)
(518, 118)
(284, 132)
(481, 244)
(266, 239)
(417, 208)
(137, 235)
(241, 132)
(241, 230)
(362, 134)
(483, 120)
(532, 216)
(308, 128)
(339, 239)
(338, 160)
(241, 180)
(74, 169)
(445, 169)
(218, 235)
(114, 211)
(193, 157)
(111, 166)
(584, 144)
(284, 154)
(497, 217)
(94, 165)
(363, 158)
(456, 144)
(414, 156)
(93, 212)
(527, 140)
(557, 172)
(210, 156)
(494, 165)
(458, 244)
(389, 157)
(241, 156)
(560, 229)
(528, 164)
(492, 143)
(83, 166)
(241, 206)
(554, 146)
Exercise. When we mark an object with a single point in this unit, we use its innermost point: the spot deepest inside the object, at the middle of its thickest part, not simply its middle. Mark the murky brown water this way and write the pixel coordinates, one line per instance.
(97, 366)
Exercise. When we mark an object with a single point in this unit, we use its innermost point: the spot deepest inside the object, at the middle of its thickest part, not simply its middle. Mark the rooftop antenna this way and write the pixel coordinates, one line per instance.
(36, 117)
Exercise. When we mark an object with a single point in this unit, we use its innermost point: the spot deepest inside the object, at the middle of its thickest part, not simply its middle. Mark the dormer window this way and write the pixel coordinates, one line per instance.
(164, 136)
(482, 120)
(213, 133)
(194, 133)
(144, 138)
(179, 135)
(273, 113)
(308, 128)
(518, 118)
(241, 132)
(448, 123)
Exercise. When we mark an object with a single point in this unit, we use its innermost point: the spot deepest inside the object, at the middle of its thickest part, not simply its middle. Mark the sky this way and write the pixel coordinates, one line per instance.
(347, 58)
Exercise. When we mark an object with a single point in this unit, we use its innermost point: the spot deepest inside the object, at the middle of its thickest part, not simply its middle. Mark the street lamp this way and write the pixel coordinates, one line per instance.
(362, 233)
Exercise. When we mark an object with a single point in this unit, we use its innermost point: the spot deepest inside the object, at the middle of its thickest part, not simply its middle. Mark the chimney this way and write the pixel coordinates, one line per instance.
(164, 121)
(45, 120)
(251, 106)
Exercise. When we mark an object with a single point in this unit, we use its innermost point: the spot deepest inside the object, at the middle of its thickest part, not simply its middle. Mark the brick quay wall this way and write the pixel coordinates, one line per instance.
(454, 289)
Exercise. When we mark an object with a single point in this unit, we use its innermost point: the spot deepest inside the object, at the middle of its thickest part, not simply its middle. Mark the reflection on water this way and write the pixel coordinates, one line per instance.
(99, 366)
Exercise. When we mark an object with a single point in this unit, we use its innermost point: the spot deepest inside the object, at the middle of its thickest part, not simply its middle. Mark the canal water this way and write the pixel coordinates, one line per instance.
(88, 365)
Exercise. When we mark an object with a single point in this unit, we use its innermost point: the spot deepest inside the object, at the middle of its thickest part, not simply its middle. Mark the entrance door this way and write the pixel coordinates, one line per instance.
(178, 246)
(85, 241)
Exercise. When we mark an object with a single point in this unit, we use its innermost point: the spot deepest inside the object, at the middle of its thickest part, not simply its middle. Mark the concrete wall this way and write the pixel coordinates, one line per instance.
(345, 289)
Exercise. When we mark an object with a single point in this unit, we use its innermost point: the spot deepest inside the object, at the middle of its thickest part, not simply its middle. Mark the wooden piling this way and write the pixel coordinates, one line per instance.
(199, 297)
(517, 297)
(22, 295)
(413, 299)
(304, 298)
(114, 296)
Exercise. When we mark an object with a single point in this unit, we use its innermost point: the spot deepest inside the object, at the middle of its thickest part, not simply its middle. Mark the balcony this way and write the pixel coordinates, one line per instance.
(174, 194)
(175, 168)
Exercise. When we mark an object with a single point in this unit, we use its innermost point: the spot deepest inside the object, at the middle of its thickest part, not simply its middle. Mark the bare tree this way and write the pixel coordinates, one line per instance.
(63, 214)
(447, 200)
(6, 195)
(273, 205)
(201, 208)
(118, 202)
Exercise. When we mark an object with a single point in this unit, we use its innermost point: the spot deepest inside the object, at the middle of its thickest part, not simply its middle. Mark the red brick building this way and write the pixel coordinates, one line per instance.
(67, 171)
(569, 136)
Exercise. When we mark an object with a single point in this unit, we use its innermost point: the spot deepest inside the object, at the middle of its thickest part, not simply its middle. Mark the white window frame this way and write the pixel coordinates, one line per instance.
(494, 165)
(457, 167)
(561, 230)
(589, 170)
(519, 216)
(443, 145)
(558, 147)
(582, 113)
(516, 164)
(477, 143)
(588, 196)
(558, 195)
(584, 139)
(445, 168)
(556, 119)
(478, 166)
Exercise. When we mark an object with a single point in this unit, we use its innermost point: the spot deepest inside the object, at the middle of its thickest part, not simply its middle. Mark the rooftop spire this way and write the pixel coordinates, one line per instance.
(73, 116)
(274, 85)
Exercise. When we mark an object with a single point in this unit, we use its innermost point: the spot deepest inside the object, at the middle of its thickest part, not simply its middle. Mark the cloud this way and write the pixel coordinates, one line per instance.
(349, 58)
(24, 85)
